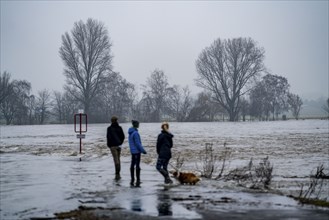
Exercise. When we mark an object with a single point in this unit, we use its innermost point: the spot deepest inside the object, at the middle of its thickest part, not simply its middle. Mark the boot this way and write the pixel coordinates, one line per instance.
(117, 176)
(165, 174)
(168, 180)
(117, 172)
(132, 175)
(138, 174)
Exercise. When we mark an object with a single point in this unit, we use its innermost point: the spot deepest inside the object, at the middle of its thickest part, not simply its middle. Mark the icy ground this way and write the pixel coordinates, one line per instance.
(41, 173)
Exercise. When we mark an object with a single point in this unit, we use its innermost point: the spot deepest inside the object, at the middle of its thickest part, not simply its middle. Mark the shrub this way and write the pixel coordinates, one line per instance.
(211, 159)
(253, 176)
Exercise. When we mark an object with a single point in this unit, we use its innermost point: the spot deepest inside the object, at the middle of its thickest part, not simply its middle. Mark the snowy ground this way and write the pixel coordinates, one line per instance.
(41, 173)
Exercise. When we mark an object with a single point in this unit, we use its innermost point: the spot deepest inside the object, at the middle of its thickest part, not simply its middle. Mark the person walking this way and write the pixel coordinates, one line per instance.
(136, 148)
(115, 138)
(164, 145)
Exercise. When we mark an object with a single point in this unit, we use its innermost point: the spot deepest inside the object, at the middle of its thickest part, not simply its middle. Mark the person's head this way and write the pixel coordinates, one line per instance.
(135, 123)
(165, 126)
(114, 119)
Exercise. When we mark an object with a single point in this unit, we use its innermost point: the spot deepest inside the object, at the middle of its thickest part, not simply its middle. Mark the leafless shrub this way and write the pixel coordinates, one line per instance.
(315, 185)
(210, 161)
(225, 156)
(179, 162)
(263, 173)
(253, 176)
(241, 174)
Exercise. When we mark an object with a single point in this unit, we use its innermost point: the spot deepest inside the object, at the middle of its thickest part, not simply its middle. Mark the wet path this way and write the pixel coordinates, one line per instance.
(39, 186)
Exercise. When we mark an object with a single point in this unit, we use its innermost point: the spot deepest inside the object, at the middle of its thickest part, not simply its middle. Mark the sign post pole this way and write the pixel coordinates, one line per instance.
(80, 132)
(80, 129)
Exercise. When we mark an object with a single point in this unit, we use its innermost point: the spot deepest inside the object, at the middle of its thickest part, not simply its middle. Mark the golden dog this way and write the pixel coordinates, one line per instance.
(186, 178)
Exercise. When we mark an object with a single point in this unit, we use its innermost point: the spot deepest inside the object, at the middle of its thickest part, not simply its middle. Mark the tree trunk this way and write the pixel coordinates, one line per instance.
(232, 115)
(87, 105)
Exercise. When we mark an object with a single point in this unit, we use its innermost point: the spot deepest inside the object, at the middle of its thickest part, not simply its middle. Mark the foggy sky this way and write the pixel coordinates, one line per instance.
(169, 36)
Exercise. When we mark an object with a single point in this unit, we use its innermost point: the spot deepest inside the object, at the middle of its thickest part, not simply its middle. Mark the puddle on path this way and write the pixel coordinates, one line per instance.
(153, 198)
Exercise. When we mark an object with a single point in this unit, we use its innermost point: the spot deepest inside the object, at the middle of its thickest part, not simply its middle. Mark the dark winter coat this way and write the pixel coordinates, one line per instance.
(164, 145)
(115, 135)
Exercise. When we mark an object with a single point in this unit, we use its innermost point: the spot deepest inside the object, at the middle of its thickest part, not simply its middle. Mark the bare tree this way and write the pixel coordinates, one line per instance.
(326, 107)
(270, 95)
(43, 105)
(244, 108)
(116, 97)
(204, 108)
(155, 94)
(179, 102)
(276, 93)
(9, 108)
(6, 87)
(295, 103)
(58, 106)
(14, 107)
(225, 69)
(70, 106)
(258, 104)
(31, 106)
(86, 54)
(173, 103)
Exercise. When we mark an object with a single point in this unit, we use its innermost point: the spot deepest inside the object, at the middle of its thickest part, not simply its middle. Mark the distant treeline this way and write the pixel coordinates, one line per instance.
(231, 72)
(172, 103)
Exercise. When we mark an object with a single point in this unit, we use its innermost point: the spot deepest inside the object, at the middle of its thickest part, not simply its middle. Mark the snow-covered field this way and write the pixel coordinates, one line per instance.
(41, 173)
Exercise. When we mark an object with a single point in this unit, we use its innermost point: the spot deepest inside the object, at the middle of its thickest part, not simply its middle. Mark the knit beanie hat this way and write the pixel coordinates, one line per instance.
(114, 119)
(135, 123)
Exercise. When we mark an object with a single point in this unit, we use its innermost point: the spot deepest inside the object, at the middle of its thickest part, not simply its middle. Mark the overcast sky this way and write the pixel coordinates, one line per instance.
(169, 35)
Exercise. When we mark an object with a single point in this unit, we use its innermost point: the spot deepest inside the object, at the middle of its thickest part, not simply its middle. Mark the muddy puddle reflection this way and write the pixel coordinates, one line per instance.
(164, 205)
(159, 204)
(153, 198)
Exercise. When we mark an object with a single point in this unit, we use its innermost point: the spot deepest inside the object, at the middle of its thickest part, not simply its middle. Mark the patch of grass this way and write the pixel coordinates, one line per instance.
(311, 194)
(83, 213)
(315, 186)
(316, 202)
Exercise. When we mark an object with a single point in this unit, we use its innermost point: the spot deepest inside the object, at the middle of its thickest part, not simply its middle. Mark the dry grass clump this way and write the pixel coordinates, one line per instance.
(253, 176)
(311, 192)
(212, 160)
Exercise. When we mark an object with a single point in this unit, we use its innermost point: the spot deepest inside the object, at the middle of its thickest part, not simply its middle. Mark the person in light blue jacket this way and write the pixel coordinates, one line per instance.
(136, 148)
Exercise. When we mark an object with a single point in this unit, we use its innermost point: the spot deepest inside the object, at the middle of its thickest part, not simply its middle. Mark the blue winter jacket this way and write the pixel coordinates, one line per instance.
(135, 143)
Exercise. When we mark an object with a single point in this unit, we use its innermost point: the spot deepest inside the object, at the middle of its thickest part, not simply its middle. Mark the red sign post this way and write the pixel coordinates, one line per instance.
(80, 119)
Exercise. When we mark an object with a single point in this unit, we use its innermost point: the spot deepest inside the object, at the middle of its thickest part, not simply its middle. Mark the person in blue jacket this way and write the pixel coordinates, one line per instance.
(136, 148)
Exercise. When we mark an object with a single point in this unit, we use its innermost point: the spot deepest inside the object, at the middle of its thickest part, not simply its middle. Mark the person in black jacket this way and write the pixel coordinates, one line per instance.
(115, 138)
(164, 145)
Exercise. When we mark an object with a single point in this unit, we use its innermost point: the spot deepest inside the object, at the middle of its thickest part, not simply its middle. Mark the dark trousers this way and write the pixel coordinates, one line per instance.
(162, 164)
(135, 161)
